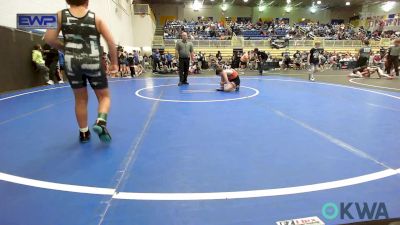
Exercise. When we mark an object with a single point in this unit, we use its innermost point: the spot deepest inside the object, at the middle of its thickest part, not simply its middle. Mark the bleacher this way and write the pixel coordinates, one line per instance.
(205, 46)
(211, 47)
(258, 35)
(253, 35)
(191, 27)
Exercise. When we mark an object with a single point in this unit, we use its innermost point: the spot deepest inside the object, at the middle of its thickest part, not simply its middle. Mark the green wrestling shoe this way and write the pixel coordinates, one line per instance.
(101, 130)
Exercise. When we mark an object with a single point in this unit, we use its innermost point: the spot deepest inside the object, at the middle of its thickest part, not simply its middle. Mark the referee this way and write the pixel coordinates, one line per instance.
(393, 58)
(262, 58)
(184, 52)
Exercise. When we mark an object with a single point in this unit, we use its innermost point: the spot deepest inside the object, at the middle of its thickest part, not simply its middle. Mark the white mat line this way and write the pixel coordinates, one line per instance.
(199, 196)
(198, 91)
(370, 85)
(383, 107)
(56, 186)
(332, 139)
(254, 193)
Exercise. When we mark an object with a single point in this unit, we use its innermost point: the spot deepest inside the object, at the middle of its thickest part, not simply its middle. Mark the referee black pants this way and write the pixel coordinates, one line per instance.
(261, 66)
(183, 69)
(393, 61)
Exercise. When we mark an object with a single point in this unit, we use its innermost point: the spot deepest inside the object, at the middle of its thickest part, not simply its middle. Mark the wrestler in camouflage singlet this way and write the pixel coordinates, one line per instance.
(82, 51)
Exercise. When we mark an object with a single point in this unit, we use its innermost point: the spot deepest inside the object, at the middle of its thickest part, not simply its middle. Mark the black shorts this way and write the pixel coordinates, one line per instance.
(362, 61)
(236, 81)
(79, 77)
(243, 63)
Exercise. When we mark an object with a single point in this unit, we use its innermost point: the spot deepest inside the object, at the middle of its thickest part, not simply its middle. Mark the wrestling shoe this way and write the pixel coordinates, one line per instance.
(101, 130)
(84, 136)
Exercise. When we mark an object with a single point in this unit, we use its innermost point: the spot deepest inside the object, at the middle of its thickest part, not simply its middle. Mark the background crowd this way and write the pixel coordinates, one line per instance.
(166, 63)
(211, 30)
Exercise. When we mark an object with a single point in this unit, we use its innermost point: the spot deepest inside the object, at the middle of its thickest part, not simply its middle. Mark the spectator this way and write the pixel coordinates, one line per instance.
(297, 60)
(377, 60)
(136, 57)
(37, 59)
(204, 30)
(51, 61)
(200, 60)
(122, 61)
(105, 62)
(131, 64)
(146, 61)
(156, 60)
(61, 62)
(141, 61)
(139, 69)
(219, 57)
(169, 58)
(286, 59)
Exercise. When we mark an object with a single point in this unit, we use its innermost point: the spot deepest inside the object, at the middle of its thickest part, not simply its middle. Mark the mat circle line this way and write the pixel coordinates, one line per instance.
(137, 93)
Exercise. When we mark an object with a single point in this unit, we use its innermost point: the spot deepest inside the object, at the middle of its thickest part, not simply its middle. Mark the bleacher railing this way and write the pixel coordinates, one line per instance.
(240, 43)
(202, 43)
(301, 43)
(256, 43)
(341, 44)
(237, 41)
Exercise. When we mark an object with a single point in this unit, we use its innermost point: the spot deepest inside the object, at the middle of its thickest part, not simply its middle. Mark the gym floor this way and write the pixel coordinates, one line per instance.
(278, 149)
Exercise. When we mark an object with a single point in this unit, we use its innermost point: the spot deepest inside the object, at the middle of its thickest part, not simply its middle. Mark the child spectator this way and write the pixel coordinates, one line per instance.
(37, 58)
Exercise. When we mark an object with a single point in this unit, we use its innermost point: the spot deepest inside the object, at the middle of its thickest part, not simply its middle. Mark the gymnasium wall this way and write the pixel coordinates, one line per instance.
(216, 12)
(376, 10)
(164, 11)
(118, 14)
(295, 15)
(16, 70)
(376, 13)
(181, 11)
(345, 13)
(10, 8)
(144, 27)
